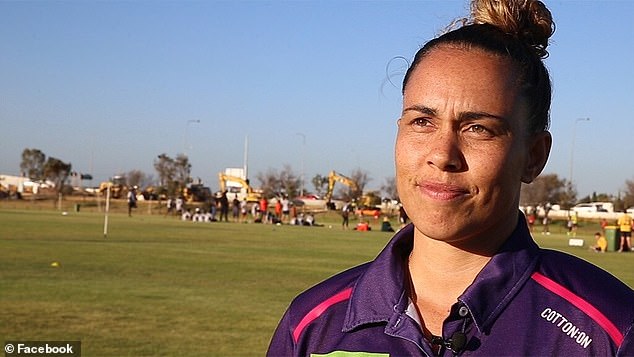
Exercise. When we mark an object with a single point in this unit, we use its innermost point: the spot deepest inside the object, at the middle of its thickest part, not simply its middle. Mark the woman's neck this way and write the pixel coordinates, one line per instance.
(440, 273)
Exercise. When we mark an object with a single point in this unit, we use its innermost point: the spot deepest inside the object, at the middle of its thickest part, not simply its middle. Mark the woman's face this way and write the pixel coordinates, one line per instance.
(462, 148)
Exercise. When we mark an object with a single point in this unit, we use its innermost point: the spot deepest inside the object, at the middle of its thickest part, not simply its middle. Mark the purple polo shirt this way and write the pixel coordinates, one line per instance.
(525, 301)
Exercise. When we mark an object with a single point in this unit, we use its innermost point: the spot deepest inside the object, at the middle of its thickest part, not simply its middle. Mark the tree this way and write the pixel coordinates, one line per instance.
(320, 183)
(138, 178)
(32, 164)
(164, 166)
(568, 195)
(597, 197)
(289, 181)
(361, 179)
(183, 170)
(389, 188)
(57, 171)
(548, 188)
(272, 182)
(628, 195)
(174, 174)
(269, 182)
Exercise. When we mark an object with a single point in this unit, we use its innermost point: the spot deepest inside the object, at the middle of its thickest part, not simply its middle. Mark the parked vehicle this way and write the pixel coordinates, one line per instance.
(594, 207)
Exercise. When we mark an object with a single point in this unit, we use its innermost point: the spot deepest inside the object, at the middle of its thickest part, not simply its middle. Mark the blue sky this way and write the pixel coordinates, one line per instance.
(108, 86)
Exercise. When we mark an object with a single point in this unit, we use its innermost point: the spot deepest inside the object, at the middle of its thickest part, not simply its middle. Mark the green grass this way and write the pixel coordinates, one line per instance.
(157, 286)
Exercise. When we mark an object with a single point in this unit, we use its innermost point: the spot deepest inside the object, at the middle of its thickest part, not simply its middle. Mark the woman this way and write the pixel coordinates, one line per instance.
(466, 277)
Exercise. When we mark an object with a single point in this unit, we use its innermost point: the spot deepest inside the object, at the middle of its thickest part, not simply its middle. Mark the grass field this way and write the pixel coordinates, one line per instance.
(157, 286)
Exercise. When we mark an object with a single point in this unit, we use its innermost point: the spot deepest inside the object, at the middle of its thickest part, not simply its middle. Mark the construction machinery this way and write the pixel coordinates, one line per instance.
(196, 193)
(5, 192)
(333, 178)
(154, 193)
(369, 204)
(117, 187)
(238, 186)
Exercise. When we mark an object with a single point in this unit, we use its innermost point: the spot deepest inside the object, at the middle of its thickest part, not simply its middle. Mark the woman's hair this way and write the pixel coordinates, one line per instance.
(515, 29)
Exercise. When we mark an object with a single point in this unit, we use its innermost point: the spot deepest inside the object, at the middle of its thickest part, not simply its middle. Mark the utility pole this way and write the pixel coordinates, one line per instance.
(572, 147)
(187, 146)
(301, 179)
(246, 157)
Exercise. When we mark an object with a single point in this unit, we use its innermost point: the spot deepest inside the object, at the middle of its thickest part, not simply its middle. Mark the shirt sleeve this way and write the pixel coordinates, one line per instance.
(282, 341)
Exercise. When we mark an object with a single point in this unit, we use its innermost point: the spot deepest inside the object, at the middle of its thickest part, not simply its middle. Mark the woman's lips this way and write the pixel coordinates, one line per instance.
(442, 191)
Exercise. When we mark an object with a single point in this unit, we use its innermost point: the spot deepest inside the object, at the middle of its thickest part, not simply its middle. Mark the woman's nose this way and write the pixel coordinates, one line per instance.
(445, 152)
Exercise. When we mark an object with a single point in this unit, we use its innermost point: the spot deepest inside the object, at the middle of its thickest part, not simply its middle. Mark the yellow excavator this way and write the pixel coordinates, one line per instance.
(333, 178)
(245, 190)
(117, 187)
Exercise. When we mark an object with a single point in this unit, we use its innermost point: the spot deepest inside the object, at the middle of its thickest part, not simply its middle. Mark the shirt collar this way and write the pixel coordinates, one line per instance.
(503, 276)
(380, 292)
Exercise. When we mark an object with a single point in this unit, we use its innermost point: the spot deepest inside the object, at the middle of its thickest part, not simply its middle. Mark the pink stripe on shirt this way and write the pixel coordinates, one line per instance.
(319, 310)
(582, 305)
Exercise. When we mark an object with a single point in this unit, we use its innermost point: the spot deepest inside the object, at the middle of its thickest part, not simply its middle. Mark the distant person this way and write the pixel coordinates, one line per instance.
(345, 215)
(546, 219)
(286, 209)
(278, 210)
(546, 225)
(170, 207)
(264, 205)
(179, 204)
(603, 224)
(402, 215)
(601, 244)
(386, 226)
(363, 226)
(310, 220)
(572, 223)
(131, 200)
(270, 218)
(235, 208)
(547, 208)
(625, 226)
(213, 208)
(256, 213)
(243, 210)
(531, 218)
(297, 220)
(294, 211)
(209, 217)
(224, 206)
(198, 215)
(575, 223)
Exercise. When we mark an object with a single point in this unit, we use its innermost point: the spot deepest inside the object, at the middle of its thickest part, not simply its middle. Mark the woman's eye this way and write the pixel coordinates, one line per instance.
(421, 125)
(420, 122)
(479, 129)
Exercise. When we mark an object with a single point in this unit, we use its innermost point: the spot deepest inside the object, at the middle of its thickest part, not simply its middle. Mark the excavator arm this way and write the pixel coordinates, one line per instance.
(333, 178)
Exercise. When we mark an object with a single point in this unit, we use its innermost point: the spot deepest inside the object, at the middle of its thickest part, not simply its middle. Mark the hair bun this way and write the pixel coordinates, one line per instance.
(529, 20)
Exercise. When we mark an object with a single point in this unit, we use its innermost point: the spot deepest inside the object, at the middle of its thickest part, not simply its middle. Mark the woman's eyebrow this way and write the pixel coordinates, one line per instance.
(423, 109)
(478, 115)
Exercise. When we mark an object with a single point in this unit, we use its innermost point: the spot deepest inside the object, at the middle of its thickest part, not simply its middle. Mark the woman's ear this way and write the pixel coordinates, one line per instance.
(538, 152)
